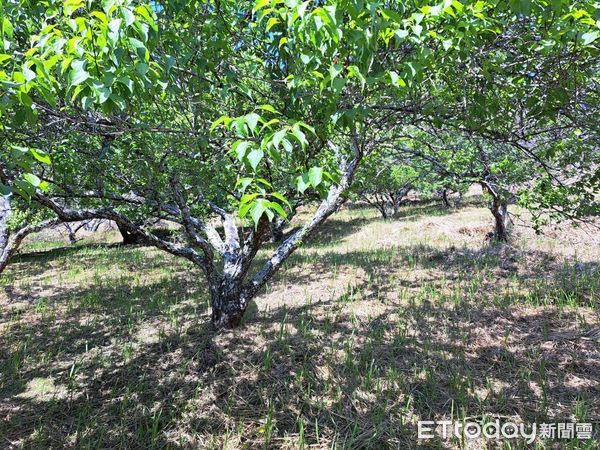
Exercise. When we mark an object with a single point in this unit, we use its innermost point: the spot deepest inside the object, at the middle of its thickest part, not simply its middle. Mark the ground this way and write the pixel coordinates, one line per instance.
(370, 327)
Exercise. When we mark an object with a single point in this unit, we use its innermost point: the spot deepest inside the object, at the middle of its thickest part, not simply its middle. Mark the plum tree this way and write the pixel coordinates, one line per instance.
(220, 116)
(384, 182)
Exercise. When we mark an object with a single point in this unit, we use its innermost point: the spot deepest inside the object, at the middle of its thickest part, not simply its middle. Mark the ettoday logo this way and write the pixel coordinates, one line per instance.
(496, 430)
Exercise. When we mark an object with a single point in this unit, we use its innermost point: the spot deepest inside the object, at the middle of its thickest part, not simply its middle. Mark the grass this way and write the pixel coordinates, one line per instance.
(370, 327)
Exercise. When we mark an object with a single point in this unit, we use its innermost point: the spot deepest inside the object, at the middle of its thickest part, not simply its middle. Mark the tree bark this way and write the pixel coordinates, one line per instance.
(277, 229)
(71, 233)
(396, 200)
(499, 209)
(228, 305)
(445, 198)
(5, 211)
(129, 237)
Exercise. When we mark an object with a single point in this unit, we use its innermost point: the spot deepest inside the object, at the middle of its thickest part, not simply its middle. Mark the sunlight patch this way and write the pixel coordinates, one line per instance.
(43, 389)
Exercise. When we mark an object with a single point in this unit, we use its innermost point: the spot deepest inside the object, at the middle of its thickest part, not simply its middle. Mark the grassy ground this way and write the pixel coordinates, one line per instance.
(372, 326)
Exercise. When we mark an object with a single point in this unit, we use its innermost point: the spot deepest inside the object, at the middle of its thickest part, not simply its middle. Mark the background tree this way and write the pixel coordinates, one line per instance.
(384, 182)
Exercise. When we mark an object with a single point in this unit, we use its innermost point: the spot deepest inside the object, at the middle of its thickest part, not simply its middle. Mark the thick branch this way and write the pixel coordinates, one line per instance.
(327, 207)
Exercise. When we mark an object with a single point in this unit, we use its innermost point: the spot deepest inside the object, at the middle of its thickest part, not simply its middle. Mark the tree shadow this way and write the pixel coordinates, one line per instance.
(130, 366)
(42, 256)
(490, 332)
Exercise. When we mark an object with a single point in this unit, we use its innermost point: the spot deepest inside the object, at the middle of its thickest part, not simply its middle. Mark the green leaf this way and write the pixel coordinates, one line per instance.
(265, 182)
(277, 207)
(254, 157)
(302, 183)
(299, 135)
(243, 183)
(261, 4)
(140, 48)
(588, 38)
(402, 34)
(119, 101)
(128, 16)
(268, 108)
(257, 211)
(32, 179)
(280, 197)
(315, 176)
(221, 120)
(28, 73)
(240, 147)
(40, 156)
(278, 137)
(126, 81)
(103, 94)
(78, 74)
(272, 22)
(145, 13)
(252, 121)
(247, 198)
(244, 208)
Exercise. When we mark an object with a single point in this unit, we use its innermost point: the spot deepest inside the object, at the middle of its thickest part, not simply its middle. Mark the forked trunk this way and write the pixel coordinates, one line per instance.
(228, 306)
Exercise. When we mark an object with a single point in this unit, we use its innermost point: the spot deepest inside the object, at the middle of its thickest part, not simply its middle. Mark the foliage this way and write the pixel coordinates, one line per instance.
(235, 111)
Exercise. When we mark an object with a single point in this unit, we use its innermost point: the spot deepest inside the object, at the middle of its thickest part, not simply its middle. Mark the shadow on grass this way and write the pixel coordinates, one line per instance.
(61, 252)
(121, 364)
(139, 367)
(535, 277)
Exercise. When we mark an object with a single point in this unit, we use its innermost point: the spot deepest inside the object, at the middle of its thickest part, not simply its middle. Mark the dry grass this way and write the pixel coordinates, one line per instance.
(372, 326)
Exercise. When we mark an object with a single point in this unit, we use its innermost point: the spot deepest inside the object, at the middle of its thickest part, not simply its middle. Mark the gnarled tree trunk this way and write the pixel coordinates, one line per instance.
(383, 210)
(397, 198)
(231, 286)
(445, 198)
(499, 209)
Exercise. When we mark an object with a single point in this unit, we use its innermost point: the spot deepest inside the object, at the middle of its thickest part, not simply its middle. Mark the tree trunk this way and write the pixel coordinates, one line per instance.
(228, 306)
(277, 229)
(71, 233)
(396, 200)
(445, 198)
(5, 211)
(129, 238)
(502, 220)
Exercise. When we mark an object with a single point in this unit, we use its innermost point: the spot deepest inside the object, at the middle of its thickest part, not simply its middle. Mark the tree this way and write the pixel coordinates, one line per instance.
(228, 111)
(15, 226)
(384, 183)
(114, 151)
